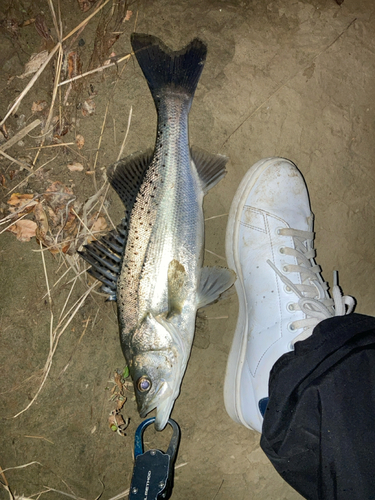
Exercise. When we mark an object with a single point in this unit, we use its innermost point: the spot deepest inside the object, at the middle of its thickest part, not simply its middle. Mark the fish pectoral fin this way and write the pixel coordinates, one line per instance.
(214, 281)
(176, 287)
(126, 176)
(210, 168)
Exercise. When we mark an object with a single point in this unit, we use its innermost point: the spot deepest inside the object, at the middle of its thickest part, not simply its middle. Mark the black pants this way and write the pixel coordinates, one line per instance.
(319, 426)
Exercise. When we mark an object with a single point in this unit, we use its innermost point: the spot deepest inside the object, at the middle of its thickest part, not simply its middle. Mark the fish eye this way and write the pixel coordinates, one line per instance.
(144, 384)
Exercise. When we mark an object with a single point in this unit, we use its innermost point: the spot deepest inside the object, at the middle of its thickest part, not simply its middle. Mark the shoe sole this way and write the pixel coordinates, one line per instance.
(237, 355)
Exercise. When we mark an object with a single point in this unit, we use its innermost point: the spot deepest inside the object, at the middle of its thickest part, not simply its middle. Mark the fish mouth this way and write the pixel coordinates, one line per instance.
(163, 407)
(163, 412)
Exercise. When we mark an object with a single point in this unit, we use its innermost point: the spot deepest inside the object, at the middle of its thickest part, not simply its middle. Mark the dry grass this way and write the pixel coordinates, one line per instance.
(86, 215)
(70, 265)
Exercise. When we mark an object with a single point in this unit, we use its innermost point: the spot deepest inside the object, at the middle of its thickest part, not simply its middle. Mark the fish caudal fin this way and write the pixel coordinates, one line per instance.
(210, 168)
(214, 281)
(164, 68)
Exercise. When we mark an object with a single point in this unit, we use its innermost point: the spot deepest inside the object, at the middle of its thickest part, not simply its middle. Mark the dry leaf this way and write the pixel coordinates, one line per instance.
(18, 201)
(120, 402)
(128, 15)
(38, 106)
(75, 167)
(24, 229)
(71, 225)
(41, 221)
(80, 141)
(35, 62)
(42, 229)
(85, 5)
(88, 107)
(74, 65)
(99, 225)
(3, 182)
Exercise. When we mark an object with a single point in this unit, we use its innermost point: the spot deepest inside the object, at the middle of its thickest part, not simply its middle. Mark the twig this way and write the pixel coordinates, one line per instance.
(108, 216)
(126, 133)
(54, 93)
(216, 494)
(58, 281)
(20, 135)
(96, 70)
(32, 173)
(81, 221)
(40, 437)
(12, 223)
(216, 255)
(20, 163)
(100, 140)
(85, 21)
(52, 145)
(216, 216)
(64, 493)
(68, 297)
(20, 466)
(5, 484)
(13, 214)
(57, 29)
(46, 277)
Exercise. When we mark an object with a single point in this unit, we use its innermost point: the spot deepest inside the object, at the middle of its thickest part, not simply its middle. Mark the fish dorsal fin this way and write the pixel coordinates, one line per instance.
(210, 168)
(126, 176)
(214, 281)
(176, 287)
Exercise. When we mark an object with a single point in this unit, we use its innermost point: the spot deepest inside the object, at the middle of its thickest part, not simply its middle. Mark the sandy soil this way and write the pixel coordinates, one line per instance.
(291, 79)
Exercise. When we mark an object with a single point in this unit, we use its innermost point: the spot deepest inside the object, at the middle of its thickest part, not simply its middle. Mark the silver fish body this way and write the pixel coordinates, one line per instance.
(162, 264)
(162, 283)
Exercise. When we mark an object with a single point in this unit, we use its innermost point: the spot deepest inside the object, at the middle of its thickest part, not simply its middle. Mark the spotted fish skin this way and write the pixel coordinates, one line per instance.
(162, 282)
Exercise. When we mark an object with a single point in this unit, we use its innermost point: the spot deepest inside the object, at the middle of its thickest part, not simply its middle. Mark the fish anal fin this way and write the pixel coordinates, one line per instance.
(126, 176)
(176, 287)
(105, 257)
(210, 167)
(214, 281)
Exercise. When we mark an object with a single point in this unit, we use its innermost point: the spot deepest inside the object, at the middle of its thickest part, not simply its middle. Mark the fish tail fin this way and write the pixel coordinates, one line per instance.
(165, 69)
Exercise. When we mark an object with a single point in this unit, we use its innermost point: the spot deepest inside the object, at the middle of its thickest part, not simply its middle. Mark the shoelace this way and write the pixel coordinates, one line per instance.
(312, 292)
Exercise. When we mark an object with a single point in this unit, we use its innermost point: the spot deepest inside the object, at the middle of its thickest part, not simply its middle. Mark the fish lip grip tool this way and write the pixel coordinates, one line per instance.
(153, 470)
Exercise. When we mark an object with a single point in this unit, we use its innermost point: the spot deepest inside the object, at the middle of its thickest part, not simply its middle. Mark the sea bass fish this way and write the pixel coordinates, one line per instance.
(152, 264)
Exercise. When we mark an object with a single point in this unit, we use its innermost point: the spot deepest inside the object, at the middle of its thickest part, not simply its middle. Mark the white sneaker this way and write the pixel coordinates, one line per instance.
(282, 296)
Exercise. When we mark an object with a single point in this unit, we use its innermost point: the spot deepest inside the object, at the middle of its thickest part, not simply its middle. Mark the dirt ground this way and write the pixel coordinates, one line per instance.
(290, 79)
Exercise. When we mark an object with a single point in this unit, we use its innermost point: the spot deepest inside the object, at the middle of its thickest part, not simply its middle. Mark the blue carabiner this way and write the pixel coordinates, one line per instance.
(153, 470)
